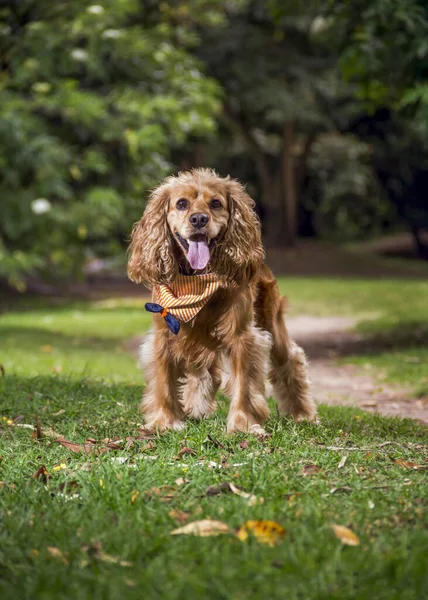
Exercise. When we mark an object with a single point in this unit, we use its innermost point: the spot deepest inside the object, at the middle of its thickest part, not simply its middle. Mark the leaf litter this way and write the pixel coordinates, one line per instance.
(202, 528)
(346, 535)
(227, 486)
(265, 532)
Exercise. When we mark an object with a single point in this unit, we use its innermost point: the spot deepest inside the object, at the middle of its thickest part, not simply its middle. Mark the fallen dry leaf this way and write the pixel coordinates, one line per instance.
(12, 486)
(94, 550)
(179, 515)
(343, 488)
(181, 481)
(310, 469)
(164, 493)
(37, 433)
(58, 413)
(185, 451)
(342, 461)
(69, 487)
(59, 554)
(252, 500)
(265, 532)
(214, 490)
(129, 442)
(345, 535)
(227, 486)
(244, 445)
(74, 447)
(114, 559)
(408, 465)
(115, 444)
(42, 474)
(149, 446)
(202, 528)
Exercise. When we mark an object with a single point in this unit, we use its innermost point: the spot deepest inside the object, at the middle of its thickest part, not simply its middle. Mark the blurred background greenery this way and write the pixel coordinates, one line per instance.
(321, 106)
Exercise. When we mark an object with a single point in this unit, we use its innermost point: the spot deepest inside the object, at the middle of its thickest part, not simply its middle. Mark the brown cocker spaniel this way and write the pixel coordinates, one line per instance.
(200, 229)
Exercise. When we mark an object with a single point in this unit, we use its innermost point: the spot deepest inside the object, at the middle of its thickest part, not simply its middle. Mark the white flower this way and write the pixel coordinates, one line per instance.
(111, 34)
(40, 206)
(79, 54)
(95, 9)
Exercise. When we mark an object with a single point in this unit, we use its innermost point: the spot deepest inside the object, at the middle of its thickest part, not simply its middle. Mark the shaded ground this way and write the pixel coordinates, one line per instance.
(327, 339)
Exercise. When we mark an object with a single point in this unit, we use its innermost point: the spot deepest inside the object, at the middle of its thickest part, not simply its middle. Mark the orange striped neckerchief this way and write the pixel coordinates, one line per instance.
(187, 294)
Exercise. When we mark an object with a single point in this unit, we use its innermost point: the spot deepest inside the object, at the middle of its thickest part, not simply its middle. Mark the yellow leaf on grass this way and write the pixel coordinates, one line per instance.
(345, 535)
(202, 528)
(265, 532)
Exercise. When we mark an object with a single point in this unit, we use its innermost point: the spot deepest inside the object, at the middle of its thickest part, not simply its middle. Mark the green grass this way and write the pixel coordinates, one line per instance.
(80, 339)
(71, 358)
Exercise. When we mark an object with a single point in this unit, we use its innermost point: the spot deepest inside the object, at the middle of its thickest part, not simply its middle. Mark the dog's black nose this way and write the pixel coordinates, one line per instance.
(199, 220)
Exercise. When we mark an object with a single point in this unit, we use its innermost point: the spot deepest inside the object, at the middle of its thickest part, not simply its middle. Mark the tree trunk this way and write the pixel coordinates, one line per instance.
(261, 165)
(290, 223)
(198, 156)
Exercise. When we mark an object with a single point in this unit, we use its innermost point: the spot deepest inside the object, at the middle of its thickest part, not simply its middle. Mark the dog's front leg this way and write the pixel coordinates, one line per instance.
(160, 404)
(248, 363)
(199, 390)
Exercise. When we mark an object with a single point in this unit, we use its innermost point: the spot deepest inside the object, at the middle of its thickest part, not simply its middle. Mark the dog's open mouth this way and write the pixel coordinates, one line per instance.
(197, 249)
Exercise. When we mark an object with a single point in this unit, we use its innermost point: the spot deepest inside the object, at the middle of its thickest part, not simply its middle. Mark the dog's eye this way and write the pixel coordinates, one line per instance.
(182, 204)
(215, 203)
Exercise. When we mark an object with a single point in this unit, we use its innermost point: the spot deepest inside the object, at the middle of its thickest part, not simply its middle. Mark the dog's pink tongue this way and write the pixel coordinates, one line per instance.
(198, 254)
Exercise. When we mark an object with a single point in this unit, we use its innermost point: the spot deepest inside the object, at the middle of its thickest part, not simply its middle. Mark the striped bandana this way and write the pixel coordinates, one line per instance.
(182, 299)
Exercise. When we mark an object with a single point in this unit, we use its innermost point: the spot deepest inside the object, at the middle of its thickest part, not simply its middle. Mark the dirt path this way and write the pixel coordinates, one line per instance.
(327, 339)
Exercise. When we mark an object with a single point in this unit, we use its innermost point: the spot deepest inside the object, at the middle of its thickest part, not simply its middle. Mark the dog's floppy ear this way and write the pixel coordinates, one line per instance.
(243, 243)
(151, 255)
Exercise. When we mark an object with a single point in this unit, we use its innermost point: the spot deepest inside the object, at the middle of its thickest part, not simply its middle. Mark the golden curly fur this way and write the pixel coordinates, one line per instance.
(239, 339)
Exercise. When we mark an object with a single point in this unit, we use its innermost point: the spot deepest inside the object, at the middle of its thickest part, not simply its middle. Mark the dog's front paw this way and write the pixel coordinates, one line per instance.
(198, 411)
(163, 421)
(239, 421)
(311, 418)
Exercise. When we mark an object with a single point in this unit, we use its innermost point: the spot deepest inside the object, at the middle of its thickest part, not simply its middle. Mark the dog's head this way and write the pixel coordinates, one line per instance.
(196, 221)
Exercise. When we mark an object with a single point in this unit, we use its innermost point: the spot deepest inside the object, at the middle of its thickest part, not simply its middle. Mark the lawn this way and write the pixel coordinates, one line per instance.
(98, 524)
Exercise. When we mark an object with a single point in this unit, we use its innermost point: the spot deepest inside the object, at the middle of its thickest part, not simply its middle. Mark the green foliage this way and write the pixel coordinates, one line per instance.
(100, 101)
(342, 190)
(94, 97)
(384, 47)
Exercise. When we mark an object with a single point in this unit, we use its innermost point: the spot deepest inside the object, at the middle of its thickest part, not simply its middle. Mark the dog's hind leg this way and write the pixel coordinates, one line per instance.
(288, 365)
